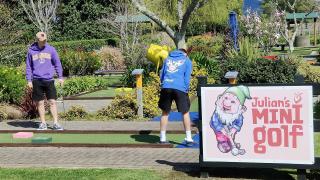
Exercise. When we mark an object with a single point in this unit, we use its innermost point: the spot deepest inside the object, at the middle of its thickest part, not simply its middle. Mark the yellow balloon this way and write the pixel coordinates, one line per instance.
(157, 54)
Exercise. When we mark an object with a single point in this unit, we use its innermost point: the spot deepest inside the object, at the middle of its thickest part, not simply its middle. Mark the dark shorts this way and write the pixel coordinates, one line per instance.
(41, 88)
(168, 95)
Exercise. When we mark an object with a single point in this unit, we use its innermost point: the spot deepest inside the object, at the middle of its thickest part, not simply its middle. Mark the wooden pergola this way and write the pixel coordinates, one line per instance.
(139, 18)
(302, 17)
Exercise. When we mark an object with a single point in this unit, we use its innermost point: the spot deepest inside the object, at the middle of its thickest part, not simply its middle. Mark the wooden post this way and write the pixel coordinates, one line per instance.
(138, 74)
(232, 81)
(232, 76)
(139, 80)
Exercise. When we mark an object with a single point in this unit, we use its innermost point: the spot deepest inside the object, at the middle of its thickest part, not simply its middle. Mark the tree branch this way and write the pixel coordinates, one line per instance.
(180, 12)
(195, 4)
(142, 8)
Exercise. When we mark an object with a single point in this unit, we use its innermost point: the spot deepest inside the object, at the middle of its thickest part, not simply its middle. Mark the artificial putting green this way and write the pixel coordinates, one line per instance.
(97, 138)
(110, 92)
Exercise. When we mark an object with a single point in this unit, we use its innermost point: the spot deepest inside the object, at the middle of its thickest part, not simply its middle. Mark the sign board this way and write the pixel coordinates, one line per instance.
(257, 124)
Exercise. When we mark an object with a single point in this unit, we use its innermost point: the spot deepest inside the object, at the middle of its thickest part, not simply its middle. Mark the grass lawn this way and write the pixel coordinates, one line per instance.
(55, 174)
(299, 51)
(97, 138)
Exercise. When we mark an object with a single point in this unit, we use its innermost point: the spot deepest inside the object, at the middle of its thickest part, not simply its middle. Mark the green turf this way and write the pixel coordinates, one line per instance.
(48, 174)
(102, 93)
(96, 138)
(110, 92)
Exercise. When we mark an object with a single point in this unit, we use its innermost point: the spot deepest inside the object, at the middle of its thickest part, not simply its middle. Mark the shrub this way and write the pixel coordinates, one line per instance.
(75, 112)
(76, 85)
(151, 94)
(208, 44)
(112, 58)
(311, 73)
(10, 112)
(3, 114)
(247, 49)
(12, 85)
(129, 80)
(197, 71)
(15, 55)
(122, 107)
(262, 70)
(28, 106)
(211, 65)
(79, 63)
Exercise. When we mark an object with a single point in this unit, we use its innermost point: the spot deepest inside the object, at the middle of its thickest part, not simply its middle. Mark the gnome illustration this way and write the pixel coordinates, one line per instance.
(227, 119)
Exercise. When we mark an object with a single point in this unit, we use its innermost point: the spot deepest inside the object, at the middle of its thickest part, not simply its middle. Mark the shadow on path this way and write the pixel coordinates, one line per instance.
(149, 138)
(24, 124)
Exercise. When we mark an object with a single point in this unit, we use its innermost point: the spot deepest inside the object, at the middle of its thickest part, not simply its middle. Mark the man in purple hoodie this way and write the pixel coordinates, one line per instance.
(41, 64)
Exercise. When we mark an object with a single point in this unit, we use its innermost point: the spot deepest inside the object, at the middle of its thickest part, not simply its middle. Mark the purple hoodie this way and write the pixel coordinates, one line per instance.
(42, 63)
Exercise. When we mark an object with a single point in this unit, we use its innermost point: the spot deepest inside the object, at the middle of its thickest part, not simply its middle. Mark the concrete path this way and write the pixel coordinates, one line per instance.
(89, 105)
(99, 157)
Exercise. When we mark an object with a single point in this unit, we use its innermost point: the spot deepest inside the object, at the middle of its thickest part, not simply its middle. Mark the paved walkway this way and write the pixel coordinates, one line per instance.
(166, 158)
(99, 157)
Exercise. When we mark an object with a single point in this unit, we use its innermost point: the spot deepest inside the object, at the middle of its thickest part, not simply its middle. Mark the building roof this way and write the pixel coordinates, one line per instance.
(313, 15)
(140, 18)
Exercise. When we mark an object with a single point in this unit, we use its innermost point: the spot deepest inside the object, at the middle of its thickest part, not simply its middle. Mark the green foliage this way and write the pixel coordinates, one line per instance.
(151, 96)
(247, 49)
(16, 55)
(262, 70)
(310, 73)
(75, 112)
(317, 110)
(122, 107)
(213, 13)
(129, 80)
(197, 70)
(7, 33)
(12, 85)
(78, 19)
(79, 63)
(302, 6)
(3, 114)
(208, 44)
(211, 65)
(125, 106)
(76, 85)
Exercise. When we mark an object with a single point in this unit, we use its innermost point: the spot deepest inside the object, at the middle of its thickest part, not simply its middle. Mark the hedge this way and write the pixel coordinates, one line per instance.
(15, 55)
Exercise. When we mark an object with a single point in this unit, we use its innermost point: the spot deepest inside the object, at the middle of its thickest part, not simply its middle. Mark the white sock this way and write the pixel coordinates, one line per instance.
(163, 136)
(188, 136)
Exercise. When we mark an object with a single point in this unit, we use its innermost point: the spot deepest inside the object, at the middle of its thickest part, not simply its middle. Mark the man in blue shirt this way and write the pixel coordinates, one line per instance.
(175, 83)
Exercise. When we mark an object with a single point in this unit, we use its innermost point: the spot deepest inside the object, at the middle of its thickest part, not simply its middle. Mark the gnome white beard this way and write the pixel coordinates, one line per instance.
(227, 118)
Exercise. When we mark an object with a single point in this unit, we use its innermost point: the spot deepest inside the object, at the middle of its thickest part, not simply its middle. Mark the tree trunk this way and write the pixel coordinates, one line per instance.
(291, 46)
(180, 40)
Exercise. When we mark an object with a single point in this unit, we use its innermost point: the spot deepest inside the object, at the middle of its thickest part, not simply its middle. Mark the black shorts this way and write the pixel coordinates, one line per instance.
(181, 98)
(41, 88)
